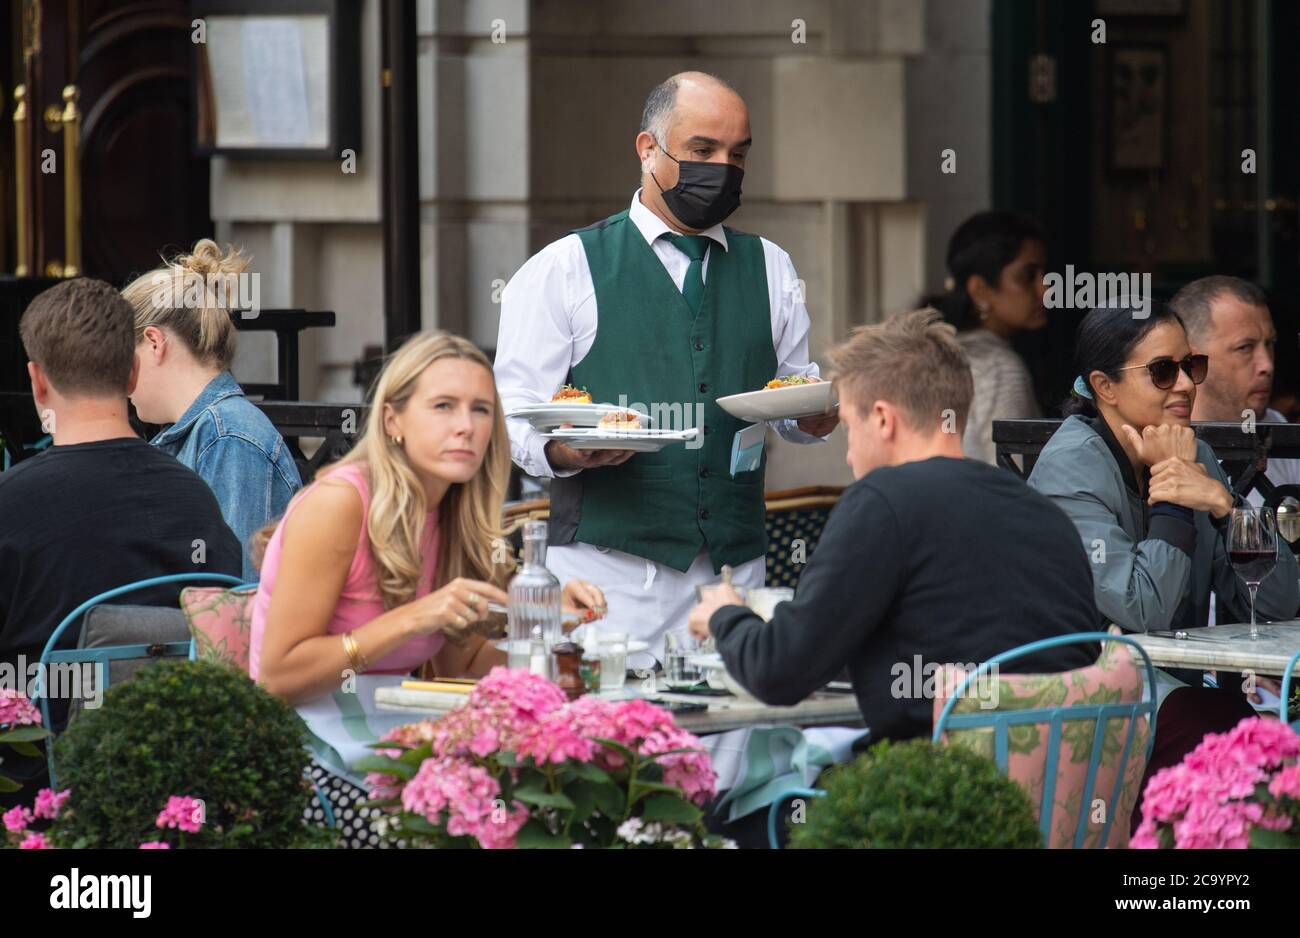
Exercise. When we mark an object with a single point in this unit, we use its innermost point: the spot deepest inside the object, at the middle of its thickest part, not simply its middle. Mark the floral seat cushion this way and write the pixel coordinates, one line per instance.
(1114, 679)
(221, 622)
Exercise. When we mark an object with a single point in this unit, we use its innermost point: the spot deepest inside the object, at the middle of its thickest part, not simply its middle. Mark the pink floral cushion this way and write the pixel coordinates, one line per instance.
(220, 620)
(1115, 678)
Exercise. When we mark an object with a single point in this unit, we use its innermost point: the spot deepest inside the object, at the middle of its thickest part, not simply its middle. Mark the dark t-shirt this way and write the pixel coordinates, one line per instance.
(941, 561)
(81, 519)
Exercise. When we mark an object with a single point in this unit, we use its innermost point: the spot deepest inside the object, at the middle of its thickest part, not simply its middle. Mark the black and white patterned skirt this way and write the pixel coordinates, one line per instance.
(352, 823)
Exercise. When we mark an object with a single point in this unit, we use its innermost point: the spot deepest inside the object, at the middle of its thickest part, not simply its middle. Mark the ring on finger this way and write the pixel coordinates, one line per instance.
(473, 601)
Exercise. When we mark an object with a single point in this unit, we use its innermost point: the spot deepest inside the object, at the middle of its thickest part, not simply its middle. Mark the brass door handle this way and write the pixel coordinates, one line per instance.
(69, 119)
(22, 174)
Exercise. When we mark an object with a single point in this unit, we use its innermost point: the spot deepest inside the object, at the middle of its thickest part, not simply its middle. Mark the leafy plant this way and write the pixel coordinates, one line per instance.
(195, 727)
(914, 794)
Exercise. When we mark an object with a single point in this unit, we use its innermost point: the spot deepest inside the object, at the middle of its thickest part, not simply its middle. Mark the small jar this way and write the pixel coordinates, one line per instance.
(568, 669)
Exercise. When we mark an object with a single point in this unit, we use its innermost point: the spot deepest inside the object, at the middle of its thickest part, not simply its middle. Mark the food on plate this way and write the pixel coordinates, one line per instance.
(621, 420)
(790, 381)
(571, 395)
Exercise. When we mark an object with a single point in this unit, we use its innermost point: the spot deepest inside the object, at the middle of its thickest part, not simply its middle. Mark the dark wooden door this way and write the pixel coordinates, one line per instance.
(142, 189)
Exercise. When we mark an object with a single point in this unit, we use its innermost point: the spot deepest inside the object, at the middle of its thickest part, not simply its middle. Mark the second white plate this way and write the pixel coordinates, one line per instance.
(801, 400)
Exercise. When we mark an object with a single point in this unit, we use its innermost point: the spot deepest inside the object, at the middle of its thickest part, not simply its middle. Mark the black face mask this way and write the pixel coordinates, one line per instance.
(705, 193)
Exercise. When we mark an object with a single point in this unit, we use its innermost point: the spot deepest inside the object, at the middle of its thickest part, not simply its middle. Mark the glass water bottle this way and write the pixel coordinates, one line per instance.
(534, 598)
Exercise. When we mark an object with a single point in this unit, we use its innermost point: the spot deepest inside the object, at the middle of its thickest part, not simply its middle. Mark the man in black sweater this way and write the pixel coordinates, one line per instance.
(927, 559)
(101, 507)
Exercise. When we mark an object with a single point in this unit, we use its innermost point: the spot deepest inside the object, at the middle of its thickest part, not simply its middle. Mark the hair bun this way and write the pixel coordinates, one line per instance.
(206, 258)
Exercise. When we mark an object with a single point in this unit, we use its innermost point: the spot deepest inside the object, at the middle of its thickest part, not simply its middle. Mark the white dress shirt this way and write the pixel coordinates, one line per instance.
(549, 318)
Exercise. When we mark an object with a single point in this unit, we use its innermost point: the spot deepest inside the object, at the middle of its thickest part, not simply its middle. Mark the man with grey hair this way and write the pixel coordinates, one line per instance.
(663, 306)
(1228, 319)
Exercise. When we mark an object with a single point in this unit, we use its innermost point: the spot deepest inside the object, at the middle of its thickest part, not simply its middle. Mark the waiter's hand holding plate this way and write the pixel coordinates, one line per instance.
(809, 401)
(561, 456)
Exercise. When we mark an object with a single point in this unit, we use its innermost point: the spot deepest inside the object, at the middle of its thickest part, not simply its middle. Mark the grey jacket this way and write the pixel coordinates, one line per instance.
(1151, 569)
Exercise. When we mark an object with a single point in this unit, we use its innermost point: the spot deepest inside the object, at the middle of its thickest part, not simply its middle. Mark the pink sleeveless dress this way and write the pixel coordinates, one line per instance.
(359, 602)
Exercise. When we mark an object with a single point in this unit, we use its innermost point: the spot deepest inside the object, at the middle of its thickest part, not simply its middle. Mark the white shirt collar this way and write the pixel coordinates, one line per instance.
(652, 227)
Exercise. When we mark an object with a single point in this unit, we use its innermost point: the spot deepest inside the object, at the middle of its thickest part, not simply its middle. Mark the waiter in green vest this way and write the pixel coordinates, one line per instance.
(659, 305)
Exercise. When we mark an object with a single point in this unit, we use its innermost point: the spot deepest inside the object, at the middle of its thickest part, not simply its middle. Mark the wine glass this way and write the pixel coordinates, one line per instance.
(1252, 551)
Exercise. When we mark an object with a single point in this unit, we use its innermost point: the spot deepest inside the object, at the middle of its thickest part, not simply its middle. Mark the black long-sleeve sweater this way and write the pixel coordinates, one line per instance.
(921, 564)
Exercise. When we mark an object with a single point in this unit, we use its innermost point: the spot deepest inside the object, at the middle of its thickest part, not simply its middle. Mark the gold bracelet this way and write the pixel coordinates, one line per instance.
(358, 661)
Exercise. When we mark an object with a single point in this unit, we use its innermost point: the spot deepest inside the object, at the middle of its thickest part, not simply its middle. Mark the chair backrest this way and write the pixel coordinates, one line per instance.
(124, 639)
(795, 519)
(221, 623)
(1083, 796)
(104, 653)
(1284, 706)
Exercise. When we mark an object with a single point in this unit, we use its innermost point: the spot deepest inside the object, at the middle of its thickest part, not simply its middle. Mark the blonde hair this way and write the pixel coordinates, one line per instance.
(469, 516)
(180, 297)
(912, 360)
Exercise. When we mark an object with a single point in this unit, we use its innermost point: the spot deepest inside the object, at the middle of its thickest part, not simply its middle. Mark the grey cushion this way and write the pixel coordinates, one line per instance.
(105, 626)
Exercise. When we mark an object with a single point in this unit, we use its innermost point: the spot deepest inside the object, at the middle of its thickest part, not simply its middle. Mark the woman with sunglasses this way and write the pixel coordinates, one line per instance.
(1151, 505)
(1147, 496)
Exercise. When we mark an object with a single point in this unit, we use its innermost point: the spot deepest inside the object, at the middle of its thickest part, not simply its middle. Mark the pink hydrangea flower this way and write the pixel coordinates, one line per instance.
(1286, 784)
(155, 845)
(182, 812)
(35, 842)
(16, 819)
(468, 796)
(48, 804)
(16, 709)
(1206, 801)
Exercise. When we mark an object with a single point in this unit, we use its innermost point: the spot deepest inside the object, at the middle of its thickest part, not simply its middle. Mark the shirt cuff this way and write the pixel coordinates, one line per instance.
(789, 431)
(529, 451)
(1173, 524)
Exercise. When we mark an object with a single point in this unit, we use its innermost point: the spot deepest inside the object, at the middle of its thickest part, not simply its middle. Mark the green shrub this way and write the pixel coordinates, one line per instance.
(915, 795)
(191, 728)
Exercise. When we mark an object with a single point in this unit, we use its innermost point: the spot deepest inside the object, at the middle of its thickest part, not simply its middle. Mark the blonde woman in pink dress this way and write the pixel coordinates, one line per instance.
(391, 556)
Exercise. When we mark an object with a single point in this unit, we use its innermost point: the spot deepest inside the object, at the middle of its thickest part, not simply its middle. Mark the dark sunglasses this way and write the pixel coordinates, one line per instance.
(1164, 371)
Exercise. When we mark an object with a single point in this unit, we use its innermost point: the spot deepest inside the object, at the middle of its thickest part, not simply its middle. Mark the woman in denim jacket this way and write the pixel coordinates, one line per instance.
(186, 341)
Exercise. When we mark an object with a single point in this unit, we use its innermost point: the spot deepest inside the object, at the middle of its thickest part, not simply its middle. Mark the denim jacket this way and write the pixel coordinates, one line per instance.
(232, 445)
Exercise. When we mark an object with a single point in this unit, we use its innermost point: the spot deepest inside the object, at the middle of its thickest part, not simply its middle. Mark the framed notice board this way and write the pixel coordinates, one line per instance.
(277, 78)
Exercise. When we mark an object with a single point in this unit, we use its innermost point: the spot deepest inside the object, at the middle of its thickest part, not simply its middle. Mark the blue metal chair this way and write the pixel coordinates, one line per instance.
(774, 812)
(101, 656)
(1002, 720)
(1286, 689)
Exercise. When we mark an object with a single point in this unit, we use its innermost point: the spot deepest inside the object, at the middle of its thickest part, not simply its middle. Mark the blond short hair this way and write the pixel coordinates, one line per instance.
(913, 361)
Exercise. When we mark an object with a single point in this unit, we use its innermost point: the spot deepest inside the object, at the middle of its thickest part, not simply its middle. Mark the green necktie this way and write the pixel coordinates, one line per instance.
(694, 247)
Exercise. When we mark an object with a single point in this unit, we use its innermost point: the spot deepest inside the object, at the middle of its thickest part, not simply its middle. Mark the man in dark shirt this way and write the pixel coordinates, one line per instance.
(927, 559)
(100, 508)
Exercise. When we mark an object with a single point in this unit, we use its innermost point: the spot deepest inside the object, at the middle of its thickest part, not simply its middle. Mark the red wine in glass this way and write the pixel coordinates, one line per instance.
(1252, 565)
(1252, 551)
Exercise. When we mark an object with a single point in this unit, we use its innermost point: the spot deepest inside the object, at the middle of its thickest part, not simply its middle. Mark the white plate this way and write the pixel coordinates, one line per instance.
(802, 400)
(545, 416)
(639, 441)
(633, 646)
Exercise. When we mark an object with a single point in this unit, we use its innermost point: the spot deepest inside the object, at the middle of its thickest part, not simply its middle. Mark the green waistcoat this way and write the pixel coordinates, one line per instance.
(651, 352)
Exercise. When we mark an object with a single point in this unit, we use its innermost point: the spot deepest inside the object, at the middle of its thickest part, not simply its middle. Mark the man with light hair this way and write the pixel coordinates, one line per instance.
(928, 558)
(664, 306)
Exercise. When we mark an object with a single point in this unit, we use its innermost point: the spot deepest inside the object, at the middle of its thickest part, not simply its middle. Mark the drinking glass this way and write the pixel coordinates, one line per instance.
(613, 660)
(679, 671)
(1252, 551)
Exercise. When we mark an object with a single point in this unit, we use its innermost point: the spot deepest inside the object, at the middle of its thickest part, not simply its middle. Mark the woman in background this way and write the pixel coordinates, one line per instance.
(185, 343)
(996, 263)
